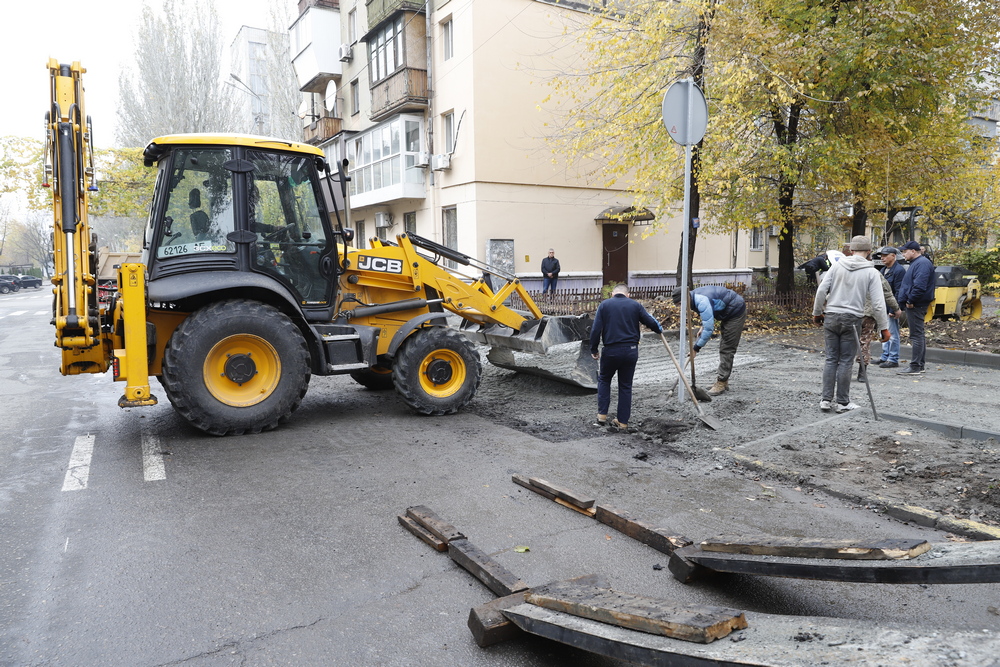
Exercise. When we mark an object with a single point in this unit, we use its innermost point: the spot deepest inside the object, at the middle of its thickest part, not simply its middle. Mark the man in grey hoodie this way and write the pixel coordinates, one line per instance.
(839, 307)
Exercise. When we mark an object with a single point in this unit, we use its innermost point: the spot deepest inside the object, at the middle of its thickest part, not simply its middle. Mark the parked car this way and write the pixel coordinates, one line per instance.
(9, 284)
(30, 281)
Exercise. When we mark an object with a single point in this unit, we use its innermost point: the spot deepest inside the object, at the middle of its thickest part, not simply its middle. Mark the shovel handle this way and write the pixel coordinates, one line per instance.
(680, 373)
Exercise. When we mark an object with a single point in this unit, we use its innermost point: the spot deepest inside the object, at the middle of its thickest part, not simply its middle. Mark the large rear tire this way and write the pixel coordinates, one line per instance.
(437, 371)
(236, 367)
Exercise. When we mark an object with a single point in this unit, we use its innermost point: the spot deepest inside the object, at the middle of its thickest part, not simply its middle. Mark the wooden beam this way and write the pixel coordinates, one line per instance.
(421, 532)
(944, 563)
(694, 623)
(522, 480)
(772, 640)
(496, 577)
(488, 624)
(813, 548)
(441, 529)
(624, 523)
(569, 496)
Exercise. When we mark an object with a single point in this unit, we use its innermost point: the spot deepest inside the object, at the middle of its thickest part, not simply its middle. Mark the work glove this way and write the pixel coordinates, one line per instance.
(818, 320)
(885, 336)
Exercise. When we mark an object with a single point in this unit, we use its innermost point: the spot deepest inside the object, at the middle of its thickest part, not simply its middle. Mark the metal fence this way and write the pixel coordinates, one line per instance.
(759, 297)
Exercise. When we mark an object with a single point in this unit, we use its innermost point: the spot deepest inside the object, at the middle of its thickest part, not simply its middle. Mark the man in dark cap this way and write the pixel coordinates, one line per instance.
(916, 293)
(893, 273)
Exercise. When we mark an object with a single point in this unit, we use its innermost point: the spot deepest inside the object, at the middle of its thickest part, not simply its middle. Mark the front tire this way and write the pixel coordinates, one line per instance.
(437, 371)
(236, 367)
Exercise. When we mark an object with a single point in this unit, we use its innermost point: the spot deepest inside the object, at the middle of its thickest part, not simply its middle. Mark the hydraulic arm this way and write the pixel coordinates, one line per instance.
(69, 171)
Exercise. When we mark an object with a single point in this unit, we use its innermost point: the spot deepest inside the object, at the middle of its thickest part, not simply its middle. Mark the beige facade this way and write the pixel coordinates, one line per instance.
(452, 147)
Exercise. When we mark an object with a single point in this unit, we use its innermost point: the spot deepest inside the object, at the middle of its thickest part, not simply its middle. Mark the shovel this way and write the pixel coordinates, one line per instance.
(857, 339)
(710, 422)
(702, 395)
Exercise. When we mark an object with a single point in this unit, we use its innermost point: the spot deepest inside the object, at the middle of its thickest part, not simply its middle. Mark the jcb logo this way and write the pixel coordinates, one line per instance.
(367, 263)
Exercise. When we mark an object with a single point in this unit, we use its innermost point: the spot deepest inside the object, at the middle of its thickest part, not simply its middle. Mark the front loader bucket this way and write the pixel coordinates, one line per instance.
(554, 347)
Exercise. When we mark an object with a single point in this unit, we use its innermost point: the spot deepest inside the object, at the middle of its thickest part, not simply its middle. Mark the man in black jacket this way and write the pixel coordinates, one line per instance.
(915, 294)
(550, 272)
(815, 266)
(617, 323)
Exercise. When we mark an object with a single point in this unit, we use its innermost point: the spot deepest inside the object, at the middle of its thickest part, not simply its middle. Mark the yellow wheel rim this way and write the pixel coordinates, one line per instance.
(442, 373)
(242, 370)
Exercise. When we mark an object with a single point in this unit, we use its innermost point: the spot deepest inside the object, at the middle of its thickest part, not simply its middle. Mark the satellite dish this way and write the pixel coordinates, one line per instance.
(304, 109)
(330, 100)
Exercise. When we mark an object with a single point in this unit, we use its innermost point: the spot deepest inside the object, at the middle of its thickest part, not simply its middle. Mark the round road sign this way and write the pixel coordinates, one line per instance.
(685, 112)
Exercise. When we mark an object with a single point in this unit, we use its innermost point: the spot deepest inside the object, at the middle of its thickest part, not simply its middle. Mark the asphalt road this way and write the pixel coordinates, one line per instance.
(168, 547)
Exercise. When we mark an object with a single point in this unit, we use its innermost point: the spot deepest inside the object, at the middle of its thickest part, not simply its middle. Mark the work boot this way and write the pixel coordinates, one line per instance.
(719, 387)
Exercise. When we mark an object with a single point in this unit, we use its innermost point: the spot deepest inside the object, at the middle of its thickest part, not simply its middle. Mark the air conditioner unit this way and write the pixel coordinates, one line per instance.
(346, 53)
(423, 160)
(774, 230)
(442, 162)
(383, 219)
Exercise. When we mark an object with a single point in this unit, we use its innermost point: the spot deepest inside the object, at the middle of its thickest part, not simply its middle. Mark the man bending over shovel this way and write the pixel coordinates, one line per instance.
(718, 303)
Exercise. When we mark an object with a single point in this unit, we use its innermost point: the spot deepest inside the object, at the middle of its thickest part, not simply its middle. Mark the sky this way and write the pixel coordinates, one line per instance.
(98, 34)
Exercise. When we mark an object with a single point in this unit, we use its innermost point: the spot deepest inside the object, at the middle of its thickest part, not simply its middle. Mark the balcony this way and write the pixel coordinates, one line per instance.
(380, 10)
(315, 38)
(403, 90)
(321, 130)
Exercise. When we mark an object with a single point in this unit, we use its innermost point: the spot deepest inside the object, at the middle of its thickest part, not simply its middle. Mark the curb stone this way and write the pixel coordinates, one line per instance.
(908, 513)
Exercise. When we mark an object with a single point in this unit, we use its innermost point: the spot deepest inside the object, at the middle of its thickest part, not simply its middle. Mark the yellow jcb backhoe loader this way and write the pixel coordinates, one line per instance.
(247, 287)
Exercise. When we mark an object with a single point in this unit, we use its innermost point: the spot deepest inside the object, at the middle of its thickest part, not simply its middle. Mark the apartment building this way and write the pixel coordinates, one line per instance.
(436, 105)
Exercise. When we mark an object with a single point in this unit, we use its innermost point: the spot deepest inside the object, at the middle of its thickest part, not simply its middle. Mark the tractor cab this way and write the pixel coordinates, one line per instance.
(247, 209)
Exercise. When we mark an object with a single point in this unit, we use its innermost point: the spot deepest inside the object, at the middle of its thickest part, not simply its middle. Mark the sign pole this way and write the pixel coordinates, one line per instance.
(685, 115)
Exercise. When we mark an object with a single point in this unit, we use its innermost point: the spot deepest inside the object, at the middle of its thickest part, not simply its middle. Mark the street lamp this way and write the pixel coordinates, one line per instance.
(258, 114)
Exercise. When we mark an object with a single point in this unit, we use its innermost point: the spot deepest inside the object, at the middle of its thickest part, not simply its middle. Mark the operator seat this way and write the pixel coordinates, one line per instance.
(199, 219)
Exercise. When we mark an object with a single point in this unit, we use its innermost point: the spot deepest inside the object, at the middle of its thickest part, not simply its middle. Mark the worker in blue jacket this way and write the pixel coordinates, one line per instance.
(915, 294)
(617, 323)
(719, 303)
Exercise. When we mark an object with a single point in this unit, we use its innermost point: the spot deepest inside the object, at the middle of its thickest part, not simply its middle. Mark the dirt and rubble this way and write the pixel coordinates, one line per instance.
(774, 431)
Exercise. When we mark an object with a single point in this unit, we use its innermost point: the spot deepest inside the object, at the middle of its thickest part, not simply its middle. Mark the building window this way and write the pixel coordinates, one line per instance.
(355, 99)
(386, 155)
(448, 123)
(757, 238)
(385, 51)
(449, 229)
(360, 240)
(410, 222)
(448, 38)
(383, 233)
(352, 26)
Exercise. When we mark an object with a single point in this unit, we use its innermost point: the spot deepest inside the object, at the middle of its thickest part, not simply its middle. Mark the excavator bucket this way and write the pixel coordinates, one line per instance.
(553, 347)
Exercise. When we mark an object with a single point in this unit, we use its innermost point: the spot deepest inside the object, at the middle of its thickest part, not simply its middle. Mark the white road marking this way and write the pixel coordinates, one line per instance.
(43, 312)
(79, 463)
(152, 459)
(17, 312)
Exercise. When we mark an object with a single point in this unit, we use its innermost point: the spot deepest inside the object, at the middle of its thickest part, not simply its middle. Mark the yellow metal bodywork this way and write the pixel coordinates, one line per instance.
(960, 303)
(132, 362)
(403, 273)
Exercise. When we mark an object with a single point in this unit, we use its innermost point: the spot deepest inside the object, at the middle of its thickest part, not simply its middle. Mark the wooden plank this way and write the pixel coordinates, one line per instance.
(496, 577)
(569, 496)
(526, 483)
(624, 523)
(589, 511)
(813, 548)
(488, 624)
(441, 529)
(944, 563)
(772, 640)
(422, 533)
(694, 623)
